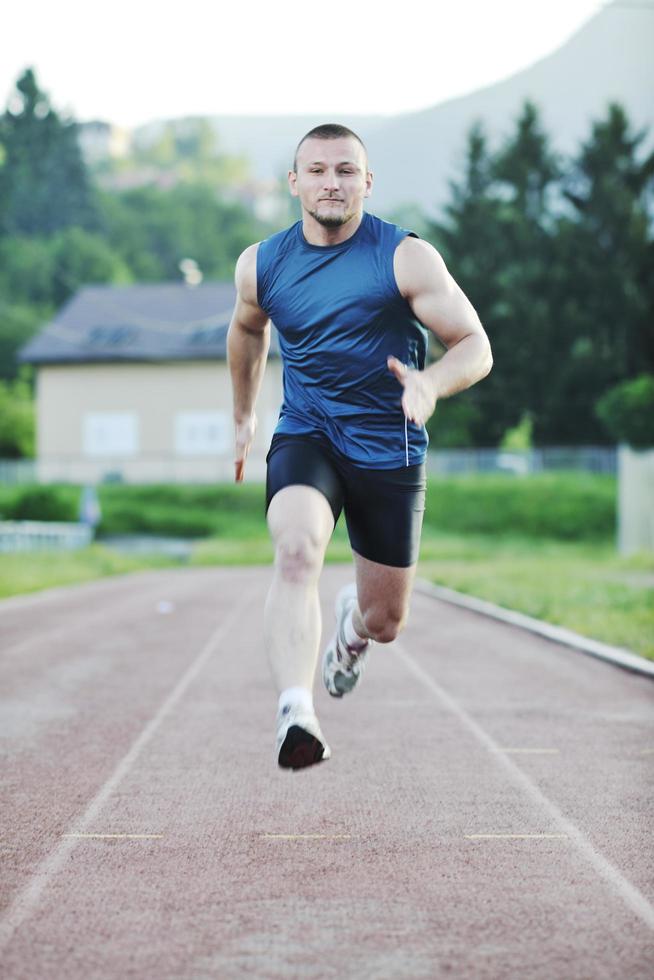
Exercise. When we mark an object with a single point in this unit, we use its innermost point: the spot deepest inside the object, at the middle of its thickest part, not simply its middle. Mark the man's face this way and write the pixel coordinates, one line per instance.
(331, 179)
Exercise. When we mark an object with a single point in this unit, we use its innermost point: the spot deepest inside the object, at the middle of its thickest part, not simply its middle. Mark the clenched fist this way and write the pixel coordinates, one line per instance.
(419, 398)
(244, 435)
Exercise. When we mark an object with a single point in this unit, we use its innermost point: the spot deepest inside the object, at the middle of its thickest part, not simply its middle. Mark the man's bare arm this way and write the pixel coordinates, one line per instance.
(248, 340)
(442, 306)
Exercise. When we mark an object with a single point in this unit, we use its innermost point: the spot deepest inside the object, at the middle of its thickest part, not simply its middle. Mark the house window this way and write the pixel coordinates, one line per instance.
(202, 433)
(110, 434)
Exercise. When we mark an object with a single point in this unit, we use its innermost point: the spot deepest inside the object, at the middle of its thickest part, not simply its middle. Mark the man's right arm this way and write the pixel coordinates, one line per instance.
(248, 340)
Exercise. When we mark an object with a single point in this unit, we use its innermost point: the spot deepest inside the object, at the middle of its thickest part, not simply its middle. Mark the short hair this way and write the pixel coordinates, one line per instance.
(329, 131)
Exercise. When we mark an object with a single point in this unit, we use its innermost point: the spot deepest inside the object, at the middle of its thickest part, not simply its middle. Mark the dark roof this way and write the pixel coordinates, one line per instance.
(154, 322)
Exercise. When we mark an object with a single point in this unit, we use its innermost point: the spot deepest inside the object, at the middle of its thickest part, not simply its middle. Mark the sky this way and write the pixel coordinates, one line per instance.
(131, 61)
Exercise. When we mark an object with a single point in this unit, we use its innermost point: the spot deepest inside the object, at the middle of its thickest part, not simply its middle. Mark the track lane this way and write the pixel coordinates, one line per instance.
(362, 866)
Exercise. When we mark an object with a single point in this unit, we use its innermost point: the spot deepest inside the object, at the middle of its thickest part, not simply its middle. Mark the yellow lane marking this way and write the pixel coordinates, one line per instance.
(532, 751)
(516, 836)
(306, 836)
(115, 836)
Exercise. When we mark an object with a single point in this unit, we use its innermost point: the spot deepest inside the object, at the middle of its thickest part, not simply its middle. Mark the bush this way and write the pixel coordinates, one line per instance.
(181, 511)
(564, 506)
(627, 411)
(36, 503)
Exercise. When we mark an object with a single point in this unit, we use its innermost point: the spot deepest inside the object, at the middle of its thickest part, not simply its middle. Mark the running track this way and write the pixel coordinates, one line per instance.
(487, 812)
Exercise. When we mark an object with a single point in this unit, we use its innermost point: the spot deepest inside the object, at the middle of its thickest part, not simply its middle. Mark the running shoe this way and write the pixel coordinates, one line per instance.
(300, 742)
(342, 667)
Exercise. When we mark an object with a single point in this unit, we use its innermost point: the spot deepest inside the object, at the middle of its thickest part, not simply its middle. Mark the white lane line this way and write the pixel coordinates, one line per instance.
(27, 899)
(631, 895)
(516, 836)
(115, 836)
(306, 836)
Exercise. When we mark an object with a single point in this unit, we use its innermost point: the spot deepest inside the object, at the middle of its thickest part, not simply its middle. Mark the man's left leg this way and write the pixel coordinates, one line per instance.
(383, 597)
(384, 512)
(372, 610)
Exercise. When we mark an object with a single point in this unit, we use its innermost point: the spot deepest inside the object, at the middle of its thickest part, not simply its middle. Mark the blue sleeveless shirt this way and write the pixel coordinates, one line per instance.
(339, 314)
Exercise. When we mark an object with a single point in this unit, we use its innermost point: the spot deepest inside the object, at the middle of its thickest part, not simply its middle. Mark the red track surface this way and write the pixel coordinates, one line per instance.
(119, 719)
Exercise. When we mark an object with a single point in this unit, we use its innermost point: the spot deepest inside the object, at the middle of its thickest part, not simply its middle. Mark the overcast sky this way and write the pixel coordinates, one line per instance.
(131, 61)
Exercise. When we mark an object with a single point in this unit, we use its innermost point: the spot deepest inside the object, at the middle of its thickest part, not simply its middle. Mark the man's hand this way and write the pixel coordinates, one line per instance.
(244, 436)
(419, 398)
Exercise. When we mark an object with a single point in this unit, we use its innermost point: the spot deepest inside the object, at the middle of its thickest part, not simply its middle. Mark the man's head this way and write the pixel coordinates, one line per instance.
(330, 174)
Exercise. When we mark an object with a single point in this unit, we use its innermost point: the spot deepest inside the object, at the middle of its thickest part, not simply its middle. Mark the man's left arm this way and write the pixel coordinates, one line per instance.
(442, 306)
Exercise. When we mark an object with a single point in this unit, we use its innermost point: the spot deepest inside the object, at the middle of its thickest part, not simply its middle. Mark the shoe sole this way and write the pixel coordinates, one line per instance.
(300, 749)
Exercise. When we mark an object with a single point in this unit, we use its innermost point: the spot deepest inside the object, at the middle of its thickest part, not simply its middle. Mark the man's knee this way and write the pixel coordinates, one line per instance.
(384, 622)
(298, 556)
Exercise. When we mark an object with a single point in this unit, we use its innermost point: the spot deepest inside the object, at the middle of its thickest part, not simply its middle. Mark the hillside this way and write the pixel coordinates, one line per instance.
(414, 154)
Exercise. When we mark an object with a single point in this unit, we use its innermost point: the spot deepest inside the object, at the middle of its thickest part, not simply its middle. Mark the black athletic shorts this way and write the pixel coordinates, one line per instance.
(383, 508)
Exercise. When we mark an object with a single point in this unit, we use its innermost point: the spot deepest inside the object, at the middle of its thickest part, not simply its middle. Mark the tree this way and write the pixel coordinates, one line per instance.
(527, 168)
(467, 239)
(522, 325)
(17, 427)
(603, 280)
(558, 258)
(44, 185)
(152, 230)
(497, 240)
(18, 322)
(627, 411)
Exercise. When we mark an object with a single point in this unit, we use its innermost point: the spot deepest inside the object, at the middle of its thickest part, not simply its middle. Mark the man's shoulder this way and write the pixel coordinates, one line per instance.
(280, 240)
(251, 258)
(385, 231)
(246, 265)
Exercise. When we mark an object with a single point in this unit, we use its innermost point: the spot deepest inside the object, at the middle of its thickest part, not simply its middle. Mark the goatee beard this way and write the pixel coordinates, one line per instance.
(332, 220)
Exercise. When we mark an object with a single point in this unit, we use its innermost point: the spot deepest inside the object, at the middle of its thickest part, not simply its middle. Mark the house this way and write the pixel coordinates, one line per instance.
(132, 384)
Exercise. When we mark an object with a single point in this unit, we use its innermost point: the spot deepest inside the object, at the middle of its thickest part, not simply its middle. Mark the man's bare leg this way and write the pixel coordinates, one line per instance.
(301, 523)
(383, 598)
(376, 610)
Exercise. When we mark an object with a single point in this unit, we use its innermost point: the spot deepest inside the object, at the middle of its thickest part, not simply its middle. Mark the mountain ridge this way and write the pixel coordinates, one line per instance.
(608, 59)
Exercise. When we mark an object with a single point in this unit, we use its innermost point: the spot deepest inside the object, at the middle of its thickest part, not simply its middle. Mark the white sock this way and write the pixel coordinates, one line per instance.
(354, 642)
(300, 697)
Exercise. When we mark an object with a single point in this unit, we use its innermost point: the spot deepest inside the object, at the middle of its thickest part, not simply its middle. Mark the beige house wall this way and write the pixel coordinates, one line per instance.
(154, 395)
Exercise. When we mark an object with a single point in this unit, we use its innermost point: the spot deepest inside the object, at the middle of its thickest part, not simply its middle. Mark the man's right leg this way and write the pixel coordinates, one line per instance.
(301, 523)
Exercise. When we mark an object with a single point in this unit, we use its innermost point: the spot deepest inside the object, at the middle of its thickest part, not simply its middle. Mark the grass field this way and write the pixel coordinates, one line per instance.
(581, 585)
(541, 545)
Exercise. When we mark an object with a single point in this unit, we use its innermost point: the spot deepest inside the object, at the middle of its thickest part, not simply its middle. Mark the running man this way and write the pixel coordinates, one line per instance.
(353, 298)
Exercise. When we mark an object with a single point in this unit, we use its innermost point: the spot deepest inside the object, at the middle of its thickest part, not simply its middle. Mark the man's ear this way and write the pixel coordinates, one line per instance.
(292, 183)
(369, 180)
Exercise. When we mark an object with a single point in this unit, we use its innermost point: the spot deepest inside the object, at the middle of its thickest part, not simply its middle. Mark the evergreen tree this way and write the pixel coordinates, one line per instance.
(603, 283)
(44, 186)
(528, 169)
(522, 326)
(467, 238)
(497, 240)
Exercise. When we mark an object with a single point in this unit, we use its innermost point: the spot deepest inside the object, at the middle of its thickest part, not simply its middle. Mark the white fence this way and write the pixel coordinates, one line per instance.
(43, 536)
(593, 459)
(18, 471)
(170, 469)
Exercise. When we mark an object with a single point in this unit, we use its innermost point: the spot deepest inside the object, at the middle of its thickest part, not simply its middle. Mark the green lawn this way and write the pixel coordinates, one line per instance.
(583, 586)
